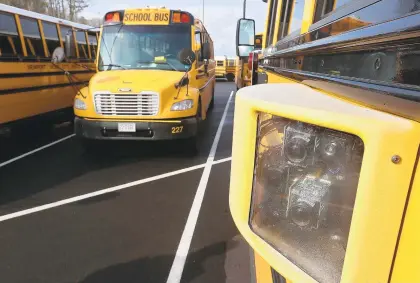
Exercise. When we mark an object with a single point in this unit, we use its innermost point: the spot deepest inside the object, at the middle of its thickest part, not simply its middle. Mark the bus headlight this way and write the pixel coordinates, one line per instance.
(79, 104)
(304, 190)
(183, 105)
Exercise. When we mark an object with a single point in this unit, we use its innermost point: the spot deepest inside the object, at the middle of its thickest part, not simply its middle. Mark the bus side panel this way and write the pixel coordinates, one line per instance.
(22, 105)
(406, 266)
(32, 89)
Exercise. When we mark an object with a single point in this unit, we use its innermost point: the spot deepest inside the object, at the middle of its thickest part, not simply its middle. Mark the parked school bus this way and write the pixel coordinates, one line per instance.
(324, 179)
(155, 78)
(230, 69)
(31, 86)
(221, 64)
(244, 64)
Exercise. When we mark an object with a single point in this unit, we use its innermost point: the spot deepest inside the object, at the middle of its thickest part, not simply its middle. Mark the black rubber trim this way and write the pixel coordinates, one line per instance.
(39, 74)
(277, 278)
(342, 12)
(36, 88)
(397, 90)
(407, 202)
(380, 34)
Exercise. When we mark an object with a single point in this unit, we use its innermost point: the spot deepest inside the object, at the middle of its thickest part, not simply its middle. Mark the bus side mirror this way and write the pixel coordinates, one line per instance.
(68, 44)
(186, 56)
(245, 37)
(206, 51)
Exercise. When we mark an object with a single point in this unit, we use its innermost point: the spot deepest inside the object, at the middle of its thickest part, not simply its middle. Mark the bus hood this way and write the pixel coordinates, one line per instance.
(135, 81)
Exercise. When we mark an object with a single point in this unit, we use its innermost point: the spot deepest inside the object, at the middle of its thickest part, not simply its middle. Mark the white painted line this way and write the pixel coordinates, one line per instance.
(184, 245)
(222, 160)
(101, 192)
(35, 150)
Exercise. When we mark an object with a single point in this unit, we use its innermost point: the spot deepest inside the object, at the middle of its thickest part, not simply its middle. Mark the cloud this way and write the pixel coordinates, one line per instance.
(219, 19)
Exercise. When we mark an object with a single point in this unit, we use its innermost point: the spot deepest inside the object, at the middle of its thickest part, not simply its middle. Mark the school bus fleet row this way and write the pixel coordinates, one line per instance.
(324, 183)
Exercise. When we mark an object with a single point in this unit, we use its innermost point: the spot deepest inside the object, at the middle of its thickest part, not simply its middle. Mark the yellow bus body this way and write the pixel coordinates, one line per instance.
(231, 69)
(242, 73)
(299, 80)
(125, 84)
(32, 86)
(221, 65)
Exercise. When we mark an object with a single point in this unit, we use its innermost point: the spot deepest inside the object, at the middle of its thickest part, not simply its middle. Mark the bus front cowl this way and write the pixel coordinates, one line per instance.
(136, 104)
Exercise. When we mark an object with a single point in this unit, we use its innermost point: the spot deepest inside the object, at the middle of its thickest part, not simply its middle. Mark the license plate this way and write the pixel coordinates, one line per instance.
(126, 127)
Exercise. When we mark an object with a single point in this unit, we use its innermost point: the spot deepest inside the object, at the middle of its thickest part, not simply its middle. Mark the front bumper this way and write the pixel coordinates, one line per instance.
(145, 130)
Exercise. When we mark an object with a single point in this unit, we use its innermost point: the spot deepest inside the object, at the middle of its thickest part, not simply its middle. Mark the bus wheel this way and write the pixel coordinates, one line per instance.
(230, 77)
(211, 106)
(191, 145)
(88, 145)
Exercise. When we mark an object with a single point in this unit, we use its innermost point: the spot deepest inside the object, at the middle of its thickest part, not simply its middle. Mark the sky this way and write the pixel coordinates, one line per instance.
(220, 16)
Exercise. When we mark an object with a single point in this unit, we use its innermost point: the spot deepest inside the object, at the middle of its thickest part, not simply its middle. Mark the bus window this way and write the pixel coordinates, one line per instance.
(10, 45)
(51, 36)
(284, 18)
(32, 36)
(124, 46)
(322, 8)
(296, 15)
(82, 44)
(198, 45)
(65, 31)
(93, 43)
(271, 22)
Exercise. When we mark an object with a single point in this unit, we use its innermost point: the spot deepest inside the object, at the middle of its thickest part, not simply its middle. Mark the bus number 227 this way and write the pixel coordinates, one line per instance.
(177, 130)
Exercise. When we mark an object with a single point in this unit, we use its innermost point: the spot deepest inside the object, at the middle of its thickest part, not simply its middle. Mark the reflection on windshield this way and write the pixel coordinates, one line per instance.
(143, 47)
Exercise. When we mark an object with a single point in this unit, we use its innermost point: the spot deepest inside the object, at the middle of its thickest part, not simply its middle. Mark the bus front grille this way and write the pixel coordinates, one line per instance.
(143, 104)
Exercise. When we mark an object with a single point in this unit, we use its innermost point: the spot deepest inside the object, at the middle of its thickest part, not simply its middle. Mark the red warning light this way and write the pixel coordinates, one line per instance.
(112, 17)
(185, 18)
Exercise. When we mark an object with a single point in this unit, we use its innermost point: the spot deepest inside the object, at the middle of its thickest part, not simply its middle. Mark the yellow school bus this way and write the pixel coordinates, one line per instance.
(31, 86)
(324, 183)
(221, 65)
(230, 69)
(155, 80)
(242, 74)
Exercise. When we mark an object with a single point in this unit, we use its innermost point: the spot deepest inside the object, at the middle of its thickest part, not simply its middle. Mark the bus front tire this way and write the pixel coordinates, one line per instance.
(230, 77)
(211, 106)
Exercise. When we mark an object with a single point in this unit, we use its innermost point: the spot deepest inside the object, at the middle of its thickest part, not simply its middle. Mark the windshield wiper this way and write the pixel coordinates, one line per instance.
(113, 65)
(153, 62)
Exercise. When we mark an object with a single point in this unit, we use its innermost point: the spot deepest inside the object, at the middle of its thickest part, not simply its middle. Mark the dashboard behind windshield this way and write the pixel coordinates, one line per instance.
(143, 47)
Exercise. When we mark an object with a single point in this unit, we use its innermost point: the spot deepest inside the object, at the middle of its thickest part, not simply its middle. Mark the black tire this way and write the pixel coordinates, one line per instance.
(211, 106)
(230, 77)
(89, 146)
(191, 144)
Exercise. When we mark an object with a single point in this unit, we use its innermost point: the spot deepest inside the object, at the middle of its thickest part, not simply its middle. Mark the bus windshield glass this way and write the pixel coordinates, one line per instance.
(143, 47)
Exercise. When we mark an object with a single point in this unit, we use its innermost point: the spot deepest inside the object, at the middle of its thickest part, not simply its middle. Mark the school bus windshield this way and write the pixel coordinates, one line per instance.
(143, 47)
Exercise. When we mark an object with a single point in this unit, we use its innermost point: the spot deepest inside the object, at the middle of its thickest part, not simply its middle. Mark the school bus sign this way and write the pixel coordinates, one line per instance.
(146, 17)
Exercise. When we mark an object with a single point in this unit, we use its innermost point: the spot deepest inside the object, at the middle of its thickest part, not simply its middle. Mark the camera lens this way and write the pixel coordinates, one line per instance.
(296, 149)
(301, 214)
(330, 148)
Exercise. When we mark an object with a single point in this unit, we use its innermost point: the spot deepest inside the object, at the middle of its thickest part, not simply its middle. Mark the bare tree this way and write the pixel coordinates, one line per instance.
(64, 9)
(75, 7)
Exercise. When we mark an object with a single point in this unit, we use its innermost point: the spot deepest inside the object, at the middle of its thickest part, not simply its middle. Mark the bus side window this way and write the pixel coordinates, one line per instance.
(32, 36)
(286, 8)
(296, 15)
(93, 43)
(271, 23)
(82, 44)
(65, 31)
(51, 36)
(198, 44)
(10, 44)
(322, 8)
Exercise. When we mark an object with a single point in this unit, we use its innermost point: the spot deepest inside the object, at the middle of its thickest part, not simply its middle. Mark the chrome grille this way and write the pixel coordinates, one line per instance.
(115, 104)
